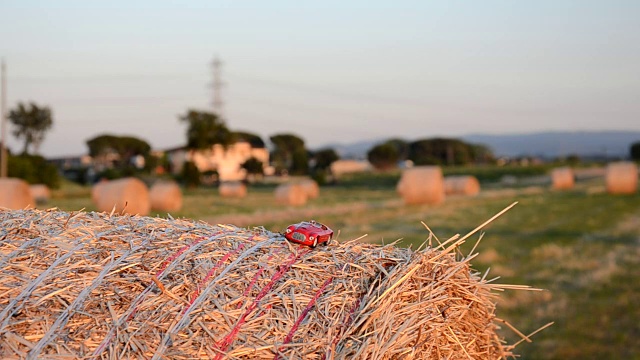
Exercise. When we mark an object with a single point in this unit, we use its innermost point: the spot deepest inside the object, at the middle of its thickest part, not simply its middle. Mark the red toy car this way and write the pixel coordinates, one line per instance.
(309, 233)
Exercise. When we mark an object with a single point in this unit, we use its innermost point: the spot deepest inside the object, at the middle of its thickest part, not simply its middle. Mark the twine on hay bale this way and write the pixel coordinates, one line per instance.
(461, 185)
(165, 196)
(290, 194)
(232, 189)
(127, 195)
(622, 177)
(422, 185)
(562, 178)
(91, 285)
(15, 194)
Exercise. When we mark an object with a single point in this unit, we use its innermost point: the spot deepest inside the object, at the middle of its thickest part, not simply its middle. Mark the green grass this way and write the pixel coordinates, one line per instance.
(581, 246)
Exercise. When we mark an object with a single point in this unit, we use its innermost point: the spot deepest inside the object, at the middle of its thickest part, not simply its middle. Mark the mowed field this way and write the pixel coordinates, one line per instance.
(582, 246)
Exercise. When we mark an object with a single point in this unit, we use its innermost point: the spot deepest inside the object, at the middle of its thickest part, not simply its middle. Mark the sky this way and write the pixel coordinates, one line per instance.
(327, 71)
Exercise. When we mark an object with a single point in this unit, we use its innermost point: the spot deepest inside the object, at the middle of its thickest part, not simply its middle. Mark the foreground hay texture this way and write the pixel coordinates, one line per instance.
(90, 285)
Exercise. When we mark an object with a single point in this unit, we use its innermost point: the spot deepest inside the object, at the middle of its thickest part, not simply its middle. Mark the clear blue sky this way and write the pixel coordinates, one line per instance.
(329, 71)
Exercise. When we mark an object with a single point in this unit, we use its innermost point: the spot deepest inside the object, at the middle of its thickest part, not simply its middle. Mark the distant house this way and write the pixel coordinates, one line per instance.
(227, 162)
(71, 162)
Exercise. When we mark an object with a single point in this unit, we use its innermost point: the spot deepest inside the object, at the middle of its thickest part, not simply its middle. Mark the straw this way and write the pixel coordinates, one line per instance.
(105, 286)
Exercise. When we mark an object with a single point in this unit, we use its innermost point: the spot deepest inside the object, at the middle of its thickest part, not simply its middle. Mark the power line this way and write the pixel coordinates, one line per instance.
(324, 90)
(105, 77)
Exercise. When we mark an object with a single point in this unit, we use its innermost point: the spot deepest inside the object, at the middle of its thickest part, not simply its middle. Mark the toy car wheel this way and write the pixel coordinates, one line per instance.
(326, 243)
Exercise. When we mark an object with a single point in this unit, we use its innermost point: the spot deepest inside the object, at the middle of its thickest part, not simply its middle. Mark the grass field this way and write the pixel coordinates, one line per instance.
(581, 246)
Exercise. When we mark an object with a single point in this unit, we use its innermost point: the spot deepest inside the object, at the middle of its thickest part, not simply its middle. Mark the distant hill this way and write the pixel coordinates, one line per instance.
(554, 144)
(542, 144)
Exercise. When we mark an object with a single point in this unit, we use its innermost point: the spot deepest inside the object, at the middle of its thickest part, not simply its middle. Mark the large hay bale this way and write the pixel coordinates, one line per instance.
(232, 189)
(290, 194)
(622, 177)
(422, 185)
(461, 185)
(15, 194)
(165, 195)
(41, 193)
(128, 195)
(562, 178)
(91, 285)
(310, 187)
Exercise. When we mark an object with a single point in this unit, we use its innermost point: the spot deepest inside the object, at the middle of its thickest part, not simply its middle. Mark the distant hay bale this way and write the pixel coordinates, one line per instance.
(622, 177)
(95, 190)
(562, 178)
(165, 195)
(15, 194)
(311, 187)
(41, 193)
(422, 185)
(461, 185)
(341, 167)
(128, 195)
(232, 189)
(91, 285)
(291, 194)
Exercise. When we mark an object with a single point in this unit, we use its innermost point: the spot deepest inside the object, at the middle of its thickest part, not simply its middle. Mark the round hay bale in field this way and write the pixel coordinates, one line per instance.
(311, 188)
(165, 195)
(95, 190)
(232, 189)
(128, 195)
(461, 185)
(622, 177)
(422, 185)
(291, 194)
(91, 285)
(15, 194)
(41, 193)
(562, 178)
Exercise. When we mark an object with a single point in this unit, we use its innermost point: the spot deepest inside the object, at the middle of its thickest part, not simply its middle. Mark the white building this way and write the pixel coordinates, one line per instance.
(227, 162)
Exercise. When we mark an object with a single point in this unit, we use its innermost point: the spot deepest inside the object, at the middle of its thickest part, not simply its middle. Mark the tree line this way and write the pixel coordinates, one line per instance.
(432, 151)
(288, 155)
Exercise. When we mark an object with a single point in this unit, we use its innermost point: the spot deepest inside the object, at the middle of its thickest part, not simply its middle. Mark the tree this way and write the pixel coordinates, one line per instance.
(634, 151)
(299, 162)
(439, 151)
(191, 175)
(253, 139)
(383, 156)
(33, 169)
(324, 158)
(402, 147)
(206, 129)
(31, 123)
(125, 146)
(253, 166)
(481, 153)
(289, 154)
